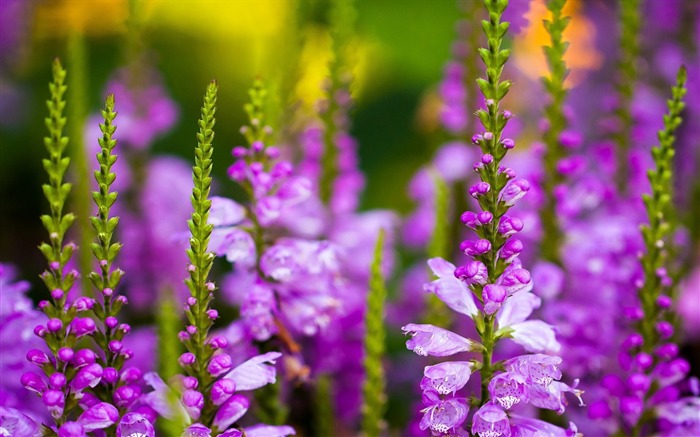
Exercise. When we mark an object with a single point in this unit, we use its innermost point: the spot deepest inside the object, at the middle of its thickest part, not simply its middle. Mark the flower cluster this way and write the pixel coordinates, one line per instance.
(493, 290)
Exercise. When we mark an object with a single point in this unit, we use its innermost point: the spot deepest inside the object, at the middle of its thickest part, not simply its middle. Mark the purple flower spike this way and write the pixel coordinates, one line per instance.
(446, 378)
(491, 421)
(438, 342)
(510, 250)
(135, 425)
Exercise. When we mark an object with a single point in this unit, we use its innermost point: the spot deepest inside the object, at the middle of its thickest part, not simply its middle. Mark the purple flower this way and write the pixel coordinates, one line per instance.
(99, 416)
(438, 342)
(449, 289)
(447, 377)
(527, 427)
(539, 369)
(14, 423)
(441, 416)
(255, 373)
(508, 389)
(135, 425)
(232, 410)
(491, 421)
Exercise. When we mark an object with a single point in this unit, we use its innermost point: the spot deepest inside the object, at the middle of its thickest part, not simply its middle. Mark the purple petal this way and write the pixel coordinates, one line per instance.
(446, 378)
(438, 342)
(232, 410)
(535, 336)
(263, 430)
(256, 372)
(99, 416)
(517, 308)
(135, 425)
(225, 212)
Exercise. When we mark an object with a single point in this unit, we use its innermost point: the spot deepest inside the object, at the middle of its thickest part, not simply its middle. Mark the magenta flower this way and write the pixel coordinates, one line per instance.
(449, 289)
(447, 377)
(491, 421)
(438, 342)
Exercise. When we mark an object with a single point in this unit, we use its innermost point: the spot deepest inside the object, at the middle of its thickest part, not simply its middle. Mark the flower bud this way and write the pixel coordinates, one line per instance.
(83, 304)
(665, 329)
(84, 357)
(643, 360)
(509, 226)
(510, 250)
(193, 401)
(88, 376)
(221, 390)
(633, 341)
(83, 326)
(110, 375)
(125, 395)
(212, 314)
(220, 364)
(57, 294)
(33, 382)
(130, 375)
(218, 342)
(55, 401)
(667, 351)
(187, 359)
(514, 190)
(107, 292)
(54, 325)
(37, 357)
(111, 322)
(486, 159)
(40, 331)
(638, 382)
(190, 382)
(65, 354)
(664, 301)
(488, 136)
(479, 189)
(475, 248)
(508, 143)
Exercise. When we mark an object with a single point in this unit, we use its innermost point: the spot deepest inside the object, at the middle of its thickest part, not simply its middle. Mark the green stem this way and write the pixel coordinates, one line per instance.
(630, 25)
(488, 341)
(78, 83)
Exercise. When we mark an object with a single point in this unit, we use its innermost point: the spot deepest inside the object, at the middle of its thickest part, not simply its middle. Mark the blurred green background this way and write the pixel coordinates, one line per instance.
(402, 47)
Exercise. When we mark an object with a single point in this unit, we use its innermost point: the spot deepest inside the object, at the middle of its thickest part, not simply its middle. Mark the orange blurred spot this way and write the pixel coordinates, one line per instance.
(581, 56)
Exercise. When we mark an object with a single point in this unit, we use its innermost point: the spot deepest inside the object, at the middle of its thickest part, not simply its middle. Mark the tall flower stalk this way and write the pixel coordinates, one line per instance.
(630, 22)
(556, 124)
(199, 312)
(71, 374)
(492, 289)
(374, 393)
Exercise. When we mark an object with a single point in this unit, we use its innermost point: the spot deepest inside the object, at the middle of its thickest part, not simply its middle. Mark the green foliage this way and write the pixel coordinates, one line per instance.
(373, 389)
(342, 22)
(77, 64)
(200, 231)
(630, 21)
(659, 206)
(324, 412)
(436, 312)
(554, 114)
